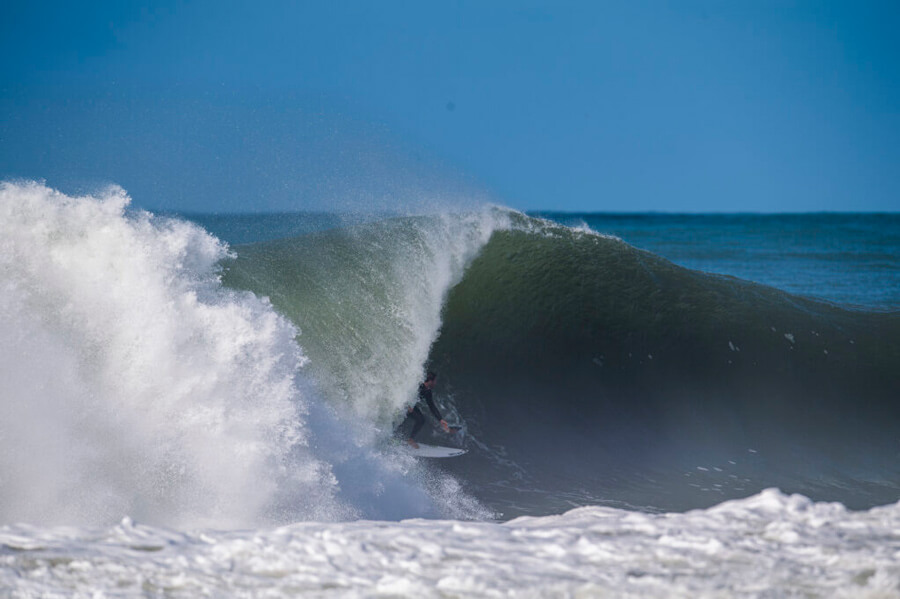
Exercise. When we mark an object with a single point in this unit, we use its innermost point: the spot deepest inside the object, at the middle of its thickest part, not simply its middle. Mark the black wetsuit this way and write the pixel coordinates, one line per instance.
(416, 414)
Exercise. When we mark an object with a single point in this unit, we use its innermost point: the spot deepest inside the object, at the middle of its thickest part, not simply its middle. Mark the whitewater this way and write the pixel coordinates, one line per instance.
(184, 418)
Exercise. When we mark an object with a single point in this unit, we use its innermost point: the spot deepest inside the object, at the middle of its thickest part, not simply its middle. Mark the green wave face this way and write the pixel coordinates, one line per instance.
(567, 300)
(367, 300)
(590, 360)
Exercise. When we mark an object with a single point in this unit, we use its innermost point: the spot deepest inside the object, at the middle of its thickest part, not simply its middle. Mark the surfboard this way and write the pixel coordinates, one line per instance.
(434, 451)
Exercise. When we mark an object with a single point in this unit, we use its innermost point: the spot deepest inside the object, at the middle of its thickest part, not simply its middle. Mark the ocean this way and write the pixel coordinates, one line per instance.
(653, 405)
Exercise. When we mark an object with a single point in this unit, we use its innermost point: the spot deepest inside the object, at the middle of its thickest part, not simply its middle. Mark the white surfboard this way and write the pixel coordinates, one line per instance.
(434, 451)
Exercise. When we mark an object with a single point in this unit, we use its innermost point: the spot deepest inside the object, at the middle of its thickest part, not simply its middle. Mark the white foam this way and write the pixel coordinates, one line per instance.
(133, 382)
(767, 545)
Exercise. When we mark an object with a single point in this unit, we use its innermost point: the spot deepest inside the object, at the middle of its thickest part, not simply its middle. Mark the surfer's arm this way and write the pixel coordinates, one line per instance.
(425, 394)
(430, 401)
(436, 413)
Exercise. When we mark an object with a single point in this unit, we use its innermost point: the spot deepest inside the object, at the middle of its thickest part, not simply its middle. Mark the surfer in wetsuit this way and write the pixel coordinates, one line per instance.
(416, 415)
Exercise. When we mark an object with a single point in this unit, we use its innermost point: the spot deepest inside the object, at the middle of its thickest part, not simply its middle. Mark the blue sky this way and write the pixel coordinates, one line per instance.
(577, 106)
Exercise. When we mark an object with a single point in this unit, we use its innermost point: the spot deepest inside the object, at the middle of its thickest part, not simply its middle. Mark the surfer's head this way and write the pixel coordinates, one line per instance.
(430, 379)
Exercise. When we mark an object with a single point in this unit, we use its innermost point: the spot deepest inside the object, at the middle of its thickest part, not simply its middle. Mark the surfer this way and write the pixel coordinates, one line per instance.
(415, 414)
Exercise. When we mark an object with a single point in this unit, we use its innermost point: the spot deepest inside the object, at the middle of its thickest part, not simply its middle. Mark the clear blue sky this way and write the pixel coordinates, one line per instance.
(220, 105)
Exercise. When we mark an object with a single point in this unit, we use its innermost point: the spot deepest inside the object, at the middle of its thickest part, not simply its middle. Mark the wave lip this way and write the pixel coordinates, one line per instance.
(368, 300)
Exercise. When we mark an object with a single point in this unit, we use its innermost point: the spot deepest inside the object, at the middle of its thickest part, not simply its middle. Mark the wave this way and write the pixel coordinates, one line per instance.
(585, 370)
(150, 370)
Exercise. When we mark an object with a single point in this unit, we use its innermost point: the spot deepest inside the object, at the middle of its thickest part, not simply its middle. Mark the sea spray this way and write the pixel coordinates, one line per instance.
(136, 384)
(133, 382)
